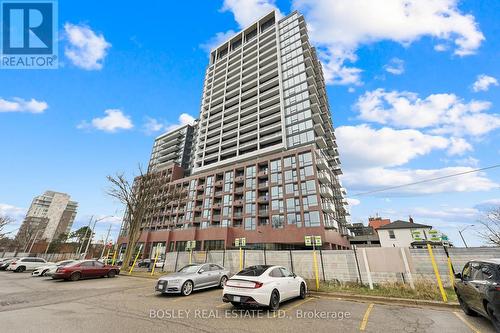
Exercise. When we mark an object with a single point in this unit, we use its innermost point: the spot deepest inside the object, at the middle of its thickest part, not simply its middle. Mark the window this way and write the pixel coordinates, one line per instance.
(489, 272)
(214, 267)
(476, 273)
(311, 219)
(276, 166)
(306, 171)
(277, 221)
(276, 192)
(276, 177)
(308, 187)
(292, 188)
(305, 159)
(250, 209)
(249, 223)
(286, 272)
(277, 205)
(466, 271)
(87, 264)
(204, 268)
(277, 273)
(294, 219)
(310, 200)
(391, 234)
(98, 264)
(249, 196)
(289, 161)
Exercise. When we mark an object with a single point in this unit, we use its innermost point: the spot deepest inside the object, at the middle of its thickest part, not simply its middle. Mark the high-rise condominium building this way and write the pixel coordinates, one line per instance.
(264, 163)
(49, 215)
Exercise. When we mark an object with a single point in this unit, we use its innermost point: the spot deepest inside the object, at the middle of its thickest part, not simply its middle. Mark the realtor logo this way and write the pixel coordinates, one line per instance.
(28, 34)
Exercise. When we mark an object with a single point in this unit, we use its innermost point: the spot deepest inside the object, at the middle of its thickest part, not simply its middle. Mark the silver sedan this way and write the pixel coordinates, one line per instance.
(193, 277)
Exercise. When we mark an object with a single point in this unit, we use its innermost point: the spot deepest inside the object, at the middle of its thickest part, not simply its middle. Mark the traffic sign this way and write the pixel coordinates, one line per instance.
(417, 235)
(243, 241)
(317, 241)
(307, 240)
(237, 242)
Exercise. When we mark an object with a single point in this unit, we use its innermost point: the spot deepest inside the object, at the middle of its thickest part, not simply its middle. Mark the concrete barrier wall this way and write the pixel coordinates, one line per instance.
(333, 265)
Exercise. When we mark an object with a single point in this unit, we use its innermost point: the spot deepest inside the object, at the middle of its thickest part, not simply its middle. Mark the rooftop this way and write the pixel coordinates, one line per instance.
(399, 224)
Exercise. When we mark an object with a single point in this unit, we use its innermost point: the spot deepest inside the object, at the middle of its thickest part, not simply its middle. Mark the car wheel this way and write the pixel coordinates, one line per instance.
(494, 317)
(223, 281)
(465, 308)
(274, 302)
(75, 276)
(302, 291)
(44, 272)
(20, 269)
(111, 274)
(187, 288)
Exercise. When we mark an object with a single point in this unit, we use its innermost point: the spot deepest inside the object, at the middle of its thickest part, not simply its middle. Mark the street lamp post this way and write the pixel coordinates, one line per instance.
(91, 236)
(461, 236)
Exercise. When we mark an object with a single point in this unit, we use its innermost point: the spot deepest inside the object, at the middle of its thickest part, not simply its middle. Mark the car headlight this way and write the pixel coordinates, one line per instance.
(174, 281)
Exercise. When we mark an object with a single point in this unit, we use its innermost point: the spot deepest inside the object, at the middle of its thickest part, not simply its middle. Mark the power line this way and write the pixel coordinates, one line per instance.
(426, 180)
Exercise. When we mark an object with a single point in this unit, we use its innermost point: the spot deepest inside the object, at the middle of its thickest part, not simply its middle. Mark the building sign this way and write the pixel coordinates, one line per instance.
(435, 235)
(240, 242)
(190, 245)
(307, 240)
(317, 241)
(417, 235)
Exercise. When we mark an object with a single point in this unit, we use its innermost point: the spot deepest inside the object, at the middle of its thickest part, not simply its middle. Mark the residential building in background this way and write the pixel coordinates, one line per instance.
(363, 236)
(173, 147)
(49, 215)
(377, 222)
(400, 233)
(264, 162)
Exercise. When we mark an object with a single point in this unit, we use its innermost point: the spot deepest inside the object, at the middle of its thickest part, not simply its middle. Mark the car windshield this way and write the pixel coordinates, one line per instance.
(189, 269)
(253, 270)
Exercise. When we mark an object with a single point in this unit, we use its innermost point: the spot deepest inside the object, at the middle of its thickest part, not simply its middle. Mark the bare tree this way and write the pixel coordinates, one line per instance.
(491, 224)
(137, 197)
(4, 221)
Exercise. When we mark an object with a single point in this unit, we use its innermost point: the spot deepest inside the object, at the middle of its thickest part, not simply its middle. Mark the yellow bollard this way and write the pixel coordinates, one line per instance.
(316, 272)
(107, 256)
(135, 260)
(114, 257)
(436, 272)
(452, 276)
(241, 259)
(156, 259)
(190, 256)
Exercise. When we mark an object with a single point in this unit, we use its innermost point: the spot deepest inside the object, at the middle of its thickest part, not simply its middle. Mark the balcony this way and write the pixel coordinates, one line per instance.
(324, 177)
(321, 163)
(326, 192)
(263, 199)
(263, 173)
(263, 212)
(238, 203)
(328, 207)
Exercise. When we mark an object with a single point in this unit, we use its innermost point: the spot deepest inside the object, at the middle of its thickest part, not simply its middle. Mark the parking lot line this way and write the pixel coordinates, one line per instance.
(364, 322)
(466, 322)
(295, 305)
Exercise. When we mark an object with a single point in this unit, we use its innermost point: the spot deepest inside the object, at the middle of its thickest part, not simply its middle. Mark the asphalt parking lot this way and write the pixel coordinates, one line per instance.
(125, 304)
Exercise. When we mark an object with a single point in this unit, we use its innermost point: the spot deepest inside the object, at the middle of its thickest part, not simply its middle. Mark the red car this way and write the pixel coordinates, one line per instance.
(85, 269)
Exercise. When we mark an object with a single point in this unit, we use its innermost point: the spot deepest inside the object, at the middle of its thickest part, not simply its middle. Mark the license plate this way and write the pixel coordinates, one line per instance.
(236, 298)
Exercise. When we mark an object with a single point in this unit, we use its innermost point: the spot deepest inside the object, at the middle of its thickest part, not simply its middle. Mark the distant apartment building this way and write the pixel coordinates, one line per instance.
(173, 147)
(49, 215)
(264, 162)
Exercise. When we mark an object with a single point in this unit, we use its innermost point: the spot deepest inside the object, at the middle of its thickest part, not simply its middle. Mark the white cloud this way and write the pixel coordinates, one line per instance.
(396, 66)
(248, 11)
(21, 105)
(16, 213)
(86, 49)
(458, 146)
(483, 83)
(442, 113)
(339, 27)
(153, 125)
(362, 146)
(375, 178)
(113, 121)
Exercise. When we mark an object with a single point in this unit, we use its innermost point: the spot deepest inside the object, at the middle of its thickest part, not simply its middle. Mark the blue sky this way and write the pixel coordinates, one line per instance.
(413, 92)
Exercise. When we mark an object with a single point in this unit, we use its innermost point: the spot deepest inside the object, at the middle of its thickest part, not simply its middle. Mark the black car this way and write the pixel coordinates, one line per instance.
(478, 289)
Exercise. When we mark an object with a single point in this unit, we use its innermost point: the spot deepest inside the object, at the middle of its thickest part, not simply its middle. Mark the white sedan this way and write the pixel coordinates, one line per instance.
(50, 268)
(263, 285)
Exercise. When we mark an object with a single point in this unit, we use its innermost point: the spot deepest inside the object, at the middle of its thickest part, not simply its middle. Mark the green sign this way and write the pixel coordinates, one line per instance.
(243, 242)
(417, 235)
(307, 240)
(435, 236)
(190, 245)
(240, 242)
(237, 242)
(317, 241)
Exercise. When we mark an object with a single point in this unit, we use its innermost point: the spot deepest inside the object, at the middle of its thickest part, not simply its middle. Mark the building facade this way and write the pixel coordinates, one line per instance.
(49, 215)
(264, 162)
(400, 233)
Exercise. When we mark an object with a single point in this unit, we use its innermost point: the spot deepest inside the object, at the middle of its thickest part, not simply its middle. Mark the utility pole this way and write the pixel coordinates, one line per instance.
(461, 236)
(92, 232)
(84, 237)
(106, 241)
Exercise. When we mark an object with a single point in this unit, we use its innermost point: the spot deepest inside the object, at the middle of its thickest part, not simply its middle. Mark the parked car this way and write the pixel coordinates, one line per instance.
(193, 277)
(85, 269)
(263, 285)
(48, 270)
(478, 289)
(144, 263)
(5, 263)
(26, 264)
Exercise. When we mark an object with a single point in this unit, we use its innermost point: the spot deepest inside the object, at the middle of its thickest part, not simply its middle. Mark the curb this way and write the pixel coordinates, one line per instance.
(388, 300)
(141, 277)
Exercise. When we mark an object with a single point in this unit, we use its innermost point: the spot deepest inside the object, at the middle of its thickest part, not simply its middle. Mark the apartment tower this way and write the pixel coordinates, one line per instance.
(264, 164)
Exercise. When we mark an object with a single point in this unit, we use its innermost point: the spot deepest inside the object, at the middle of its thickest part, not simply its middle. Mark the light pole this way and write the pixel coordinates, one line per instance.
(91, 234)
(462, 230)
